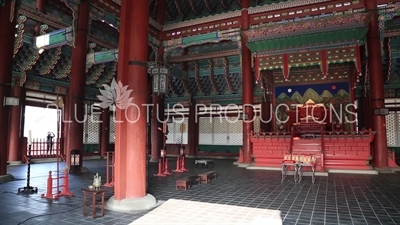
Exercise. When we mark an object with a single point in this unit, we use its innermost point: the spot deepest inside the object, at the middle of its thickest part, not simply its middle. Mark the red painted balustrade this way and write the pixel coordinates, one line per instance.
(348, 150)
(333, 150)
(269, 148)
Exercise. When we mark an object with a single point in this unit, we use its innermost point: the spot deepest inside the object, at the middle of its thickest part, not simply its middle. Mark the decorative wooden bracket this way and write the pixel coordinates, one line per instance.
(212, 78)
(256, 69)
(197, 77)
(324, 64)
(74, 6)
(286, 67)
(358, 63)
(226, 73)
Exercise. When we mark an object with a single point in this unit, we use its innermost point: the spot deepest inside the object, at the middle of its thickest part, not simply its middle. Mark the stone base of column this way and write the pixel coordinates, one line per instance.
(384, 170)
(244, 165)
(6, 178)
(152, 160)
(83, 170)
(14, 163)
(129, 205)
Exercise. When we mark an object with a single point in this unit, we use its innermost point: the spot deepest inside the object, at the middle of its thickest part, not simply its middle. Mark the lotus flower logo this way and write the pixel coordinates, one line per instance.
(115, 94)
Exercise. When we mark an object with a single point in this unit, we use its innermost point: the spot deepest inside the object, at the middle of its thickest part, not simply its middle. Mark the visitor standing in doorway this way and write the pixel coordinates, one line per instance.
(50, 136)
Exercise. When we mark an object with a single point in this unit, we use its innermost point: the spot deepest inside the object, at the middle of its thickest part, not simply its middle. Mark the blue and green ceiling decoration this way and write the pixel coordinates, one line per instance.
(181, 10)
(389, 25)
(319, 33)
(213, 68)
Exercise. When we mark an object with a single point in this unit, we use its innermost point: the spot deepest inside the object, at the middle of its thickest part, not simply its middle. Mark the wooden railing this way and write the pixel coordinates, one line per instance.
(366, 134)
(41, 149)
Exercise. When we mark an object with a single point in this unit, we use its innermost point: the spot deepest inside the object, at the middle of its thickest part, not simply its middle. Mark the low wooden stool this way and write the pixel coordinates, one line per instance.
(183, 183)
(195, 179)
(94, 193)
(213, 174)
(207, 176)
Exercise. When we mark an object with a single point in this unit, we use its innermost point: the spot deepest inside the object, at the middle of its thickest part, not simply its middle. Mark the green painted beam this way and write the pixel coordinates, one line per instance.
(102, 57)
(44, 80)
(212, 36)
(321, 40)
(53, 39)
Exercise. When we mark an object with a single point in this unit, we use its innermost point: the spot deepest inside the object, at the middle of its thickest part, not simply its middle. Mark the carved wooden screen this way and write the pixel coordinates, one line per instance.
(220, 131)
(112, 129)
(91, 127)
(392, 129)
(174, 132)
(205, 131)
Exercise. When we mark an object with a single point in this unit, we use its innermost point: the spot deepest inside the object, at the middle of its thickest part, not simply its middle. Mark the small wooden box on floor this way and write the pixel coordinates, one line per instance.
(186, 183)
(207, 176)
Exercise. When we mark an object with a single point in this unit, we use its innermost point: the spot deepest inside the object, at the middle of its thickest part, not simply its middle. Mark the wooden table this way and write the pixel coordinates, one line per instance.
(94, 193)
(286, 172)
(301, 173)
(204, 162)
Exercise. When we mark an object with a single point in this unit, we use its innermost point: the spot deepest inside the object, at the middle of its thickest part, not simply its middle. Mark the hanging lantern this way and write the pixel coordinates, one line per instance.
(160, 76)
(162, 153)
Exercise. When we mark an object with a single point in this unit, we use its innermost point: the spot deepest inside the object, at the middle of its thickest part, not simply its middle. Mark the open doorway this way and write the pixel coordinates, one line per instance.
(43, 124)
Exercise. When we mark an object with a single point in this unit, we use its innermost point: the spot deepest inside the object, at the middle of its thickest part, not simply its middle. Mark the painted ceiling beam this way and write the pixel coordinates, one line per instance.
(44, 80)
(53, 39)
(102, 57)
(202, 56)
(212, 37)
(54, 23)
(386, 15)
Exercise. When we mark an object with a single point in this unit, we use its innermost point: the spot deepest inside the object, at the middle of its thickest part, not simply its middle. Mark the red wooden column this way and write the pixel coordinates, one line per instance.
(7, 29)
(192, 131)
(104, 131)
(64, 126)
(16, 125)
(157, 136)
(130, 142)
(247, 85)
(40, 5)
(265, 116)
(76, 91)
(380, 156)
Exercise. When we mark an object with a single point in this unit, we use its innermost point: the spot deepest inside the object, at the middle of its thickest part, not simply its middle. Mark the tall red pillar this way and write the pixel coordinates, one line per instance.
(76, 91)
(130, 142)
(266, 120)
(16, 125)
(64, 126)
(247, 85)
(104, 131)
(193, 128)
(7, 31)
(157, 135)
(158, 101)
(380, 156)
(40, 5)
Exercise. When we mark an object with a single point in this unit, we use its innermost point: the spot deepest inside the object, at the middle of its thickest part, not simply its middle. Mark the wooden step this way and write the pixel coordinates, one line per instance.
(306, 147)
(306, 142)
(306, 152)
